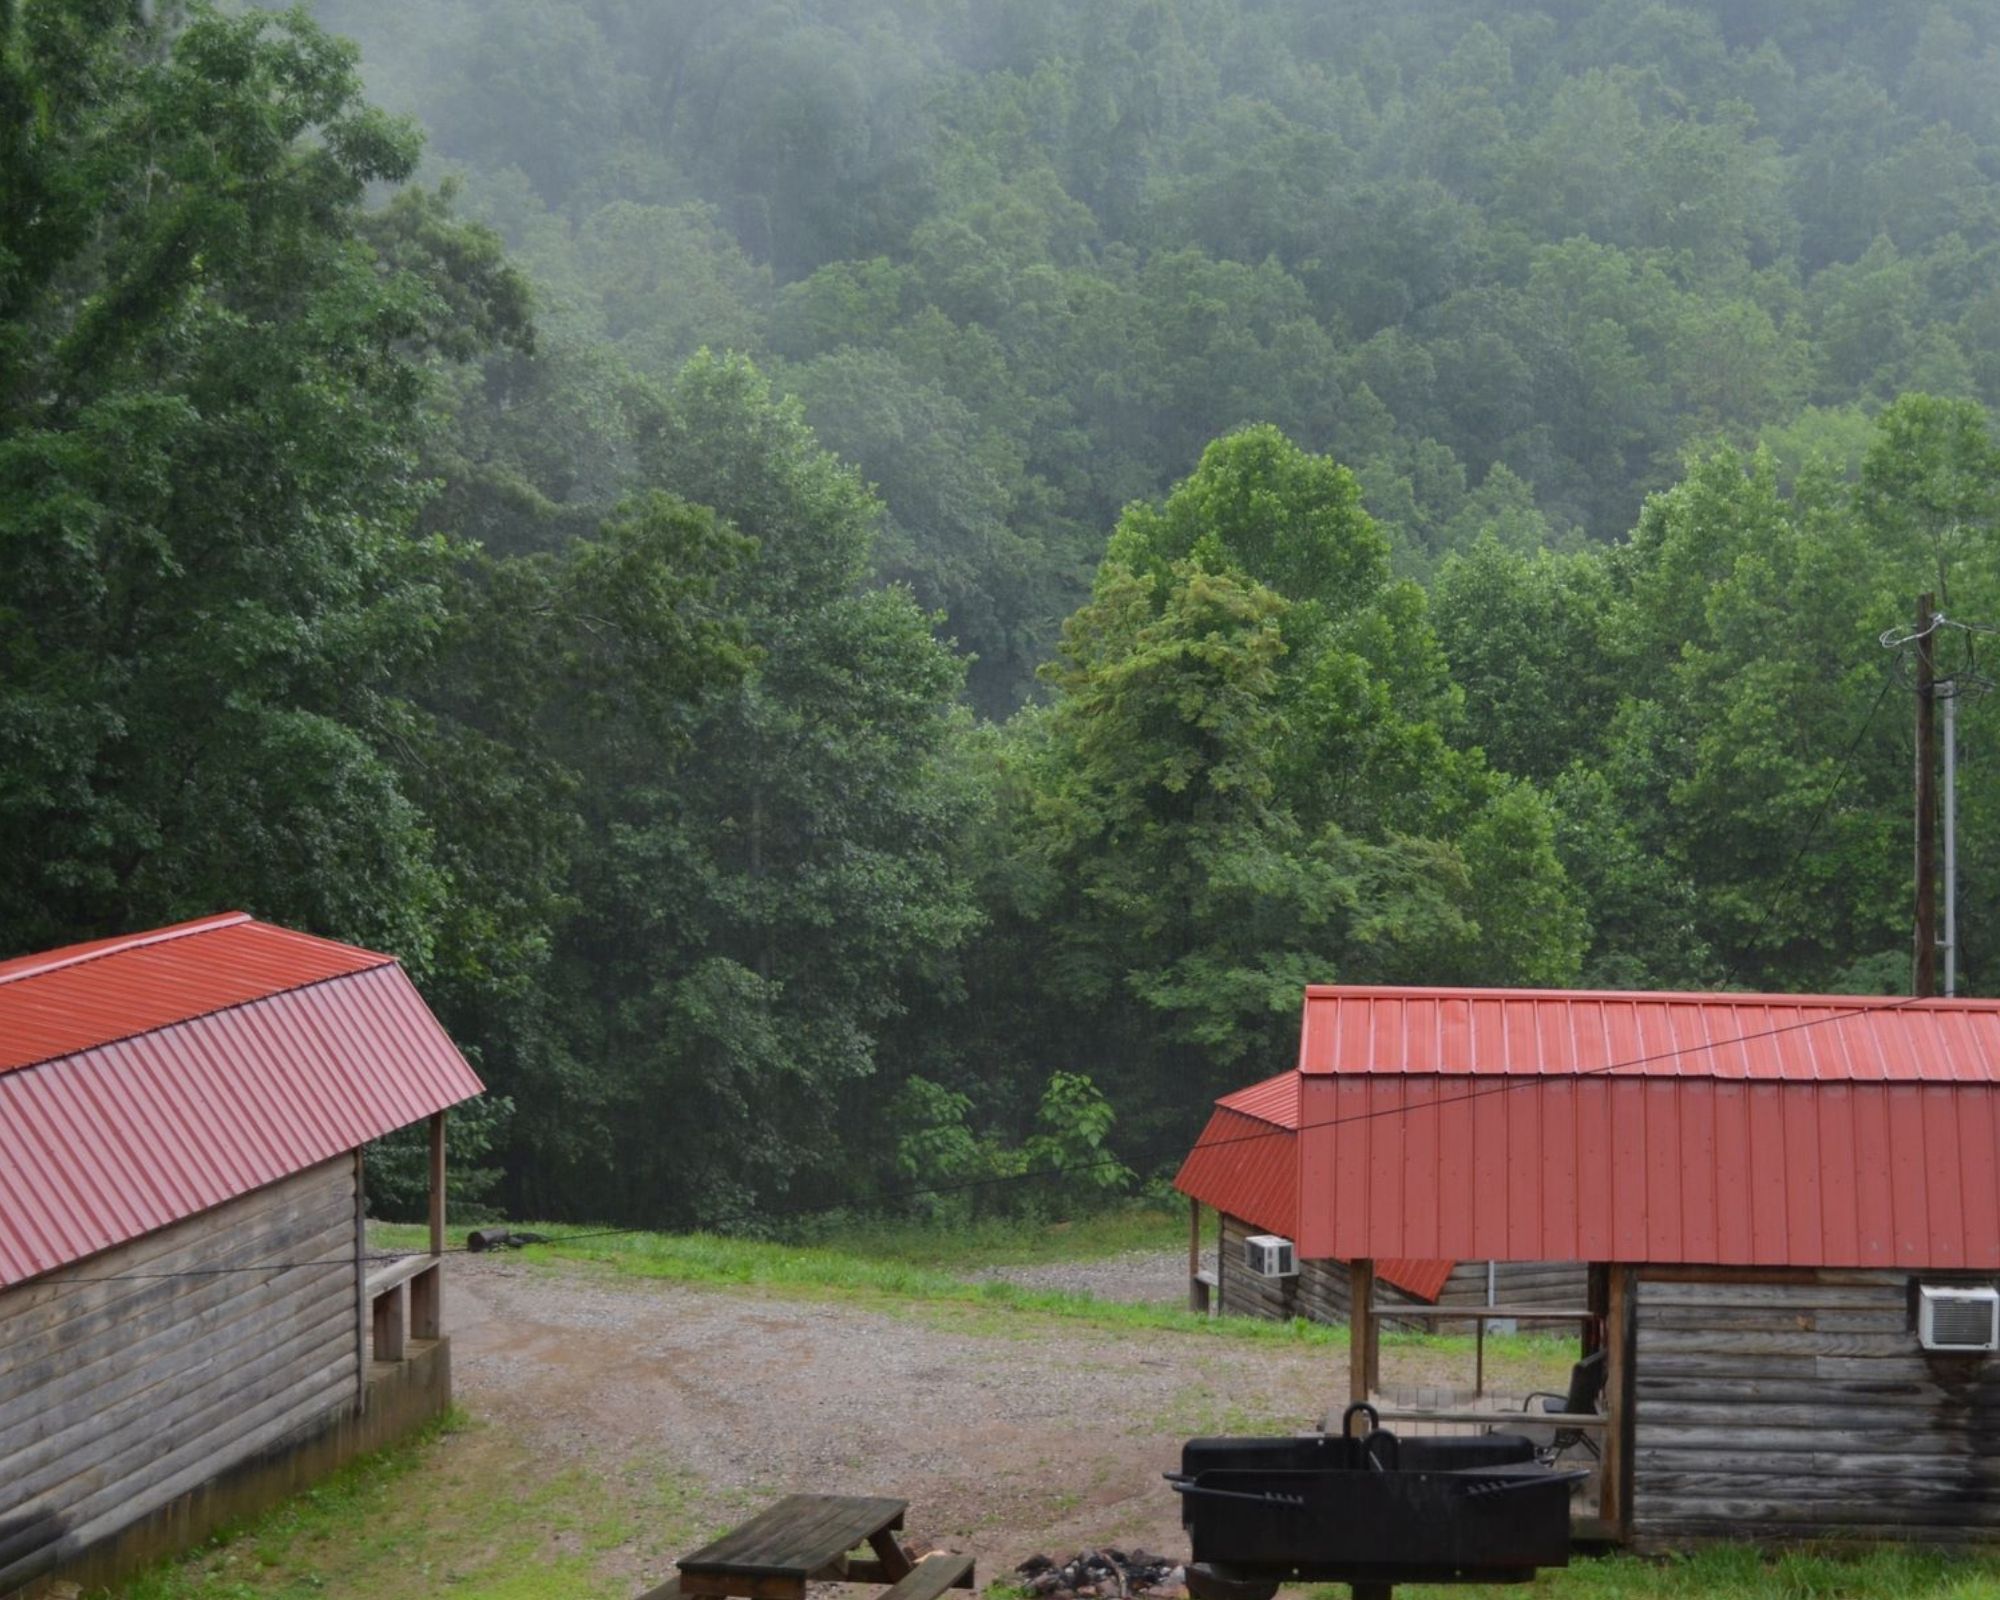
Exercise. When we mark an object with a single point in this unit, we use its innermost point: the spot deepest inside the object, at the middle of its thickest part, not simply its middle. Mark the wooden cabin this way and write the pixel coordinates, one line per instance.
(1242, 1174)
(191, 1323)
(1790, 1208)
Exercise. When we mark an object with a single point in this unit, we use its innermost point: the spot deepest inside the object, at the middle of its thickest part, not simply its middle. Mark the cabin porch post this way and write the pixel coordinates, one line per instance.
(1363, 1363)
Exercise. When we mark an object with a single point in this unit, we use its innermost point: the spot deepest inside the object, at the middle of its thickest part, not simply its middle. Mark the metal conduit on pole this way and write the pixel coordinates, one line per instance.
(1923, 967)
(1965, 679)
(1950, 838)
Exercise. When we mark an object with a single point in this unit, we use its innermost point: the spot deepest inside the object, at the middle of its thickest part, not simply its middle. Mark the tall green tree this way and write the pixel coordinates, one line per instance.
(1444, 239)
(765, 880)
(1764, 749)
(1248, 782)
(215, 374)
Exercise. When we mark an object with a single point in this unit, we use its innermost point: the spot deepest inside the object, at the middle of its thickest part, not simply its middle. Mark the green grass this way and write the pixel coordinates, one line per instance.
(998, 1243)
(907, 1270)
(464, 1510)
(457, 1509)
(460, 1510)
(942, 1247)
(1202, 1410)
(826, 1270)
(1741, 1572)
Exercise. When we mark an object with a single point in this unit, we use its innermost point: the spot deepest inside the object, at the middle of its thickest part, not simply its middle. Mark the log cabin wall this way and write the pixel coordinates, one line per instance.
(1797, 1405)
(117, 1397)
(1322, 1291)
(1319, 1293)
(1517, 1283)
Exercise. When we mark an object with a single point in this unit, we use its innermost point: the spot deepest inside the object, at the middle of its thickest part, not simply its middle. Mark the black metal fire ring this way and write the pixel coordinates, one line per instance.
(1205, 1582)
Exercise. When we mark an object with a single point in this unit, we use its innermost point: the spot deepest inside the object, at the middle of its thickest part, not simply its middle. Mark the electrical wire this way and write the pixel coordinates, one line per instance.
(767, 1214)
(1970, 681)
(1511, 1083)
(1895, 639)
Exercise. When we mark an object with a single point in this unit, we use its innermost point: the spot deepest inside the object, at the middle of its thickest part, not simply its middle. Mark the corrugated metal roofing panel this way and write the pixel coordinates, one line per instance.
(1247, 1167)
(107, 1143)
(1721, 1171)
(63, 1001)
(1792, 1038)
(1424, 1279)
(1275, 1100)
(1774, 1130)
(1246, 1163)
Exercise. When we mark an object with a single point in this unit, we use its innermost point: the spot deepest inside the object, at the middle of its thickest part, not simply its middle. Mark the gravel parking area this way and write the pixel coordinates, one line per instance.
(1157, 1277)
(1007, 1433)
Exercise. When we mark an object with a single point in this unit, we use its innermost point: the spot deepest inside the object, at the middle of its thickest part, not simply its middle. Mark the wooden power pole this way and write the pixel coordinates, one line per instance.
(1923, 973)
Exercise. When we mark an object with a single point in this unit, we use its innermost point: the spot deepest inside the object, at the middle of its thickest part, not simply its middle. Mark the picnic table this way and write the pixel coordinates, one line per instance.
(812, 1538)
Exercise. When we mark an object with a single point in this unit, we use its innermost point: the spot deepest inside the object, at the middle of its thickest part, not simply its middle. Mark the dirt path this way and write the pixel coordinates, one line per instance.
(1008, 1435)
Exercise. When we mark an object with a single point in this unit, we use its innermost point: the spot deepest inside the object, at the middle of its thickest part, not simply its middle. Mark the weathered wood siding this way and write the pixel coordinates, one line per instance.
(116, 1397)
(1804, 1409)
(1321, 1292)
(1518, 1283)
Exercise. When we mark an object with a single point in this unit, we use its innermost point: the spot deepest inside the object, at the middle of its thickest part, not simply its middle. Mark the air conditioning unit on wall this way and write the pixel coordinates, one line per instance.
(1958, 1319)
(1269, 1256)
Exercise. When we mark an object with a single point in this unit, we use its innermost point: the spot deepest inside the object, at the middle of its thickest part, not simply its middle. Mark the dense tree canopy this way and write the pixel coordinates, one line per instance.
(210, 413)
(867, 588)
(1023, 259)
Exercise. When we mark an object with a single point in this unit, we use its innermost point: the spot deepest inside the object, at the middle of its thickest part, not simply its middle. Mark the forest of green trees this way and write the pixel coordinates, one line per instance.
(867, 588)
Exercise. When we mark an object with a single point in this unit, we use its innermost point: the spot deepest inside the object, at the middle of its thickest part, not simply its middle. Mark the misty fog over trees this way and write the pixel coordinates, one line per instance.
(865, 588)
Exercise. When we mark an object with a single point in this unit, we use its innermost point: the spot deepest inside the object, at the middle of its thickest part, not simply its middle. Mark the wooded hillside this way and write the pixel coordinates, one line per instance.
(867, 589)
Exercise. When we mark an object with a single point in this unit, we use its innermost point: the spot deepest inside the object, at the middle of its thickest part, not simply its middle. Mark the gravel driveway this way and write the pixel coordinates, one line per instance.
(1008, 1434)
(1158, 1277)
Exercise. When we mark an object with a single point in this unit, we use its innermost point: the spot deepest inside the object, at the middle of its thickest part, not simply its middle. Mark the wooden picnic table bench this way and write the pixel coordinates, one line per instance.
(811, 1538)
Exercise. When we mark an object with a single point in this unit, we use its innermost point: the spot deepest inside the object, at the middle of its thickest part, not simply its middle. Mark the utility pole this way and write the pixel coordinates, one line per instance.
(1965, 679)
(1951, 691)
(1923, 974)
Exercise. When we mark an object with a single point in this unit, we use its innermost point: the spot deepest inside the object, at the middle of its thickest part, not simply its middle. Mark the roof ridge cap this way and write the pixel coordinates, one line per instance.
(246, 1003)
(1858, 1003)
(136, 941)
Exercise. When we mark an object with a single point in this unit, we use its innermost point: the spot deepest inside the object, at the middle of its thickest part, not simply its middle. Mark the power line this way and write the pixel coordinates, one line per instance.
(962, 1186)
(1510, 1084)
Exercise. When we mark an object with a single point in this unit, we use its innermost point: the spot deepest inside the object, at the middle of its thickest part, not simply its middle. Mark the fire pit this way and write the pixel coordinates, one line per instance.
(1371, 1511)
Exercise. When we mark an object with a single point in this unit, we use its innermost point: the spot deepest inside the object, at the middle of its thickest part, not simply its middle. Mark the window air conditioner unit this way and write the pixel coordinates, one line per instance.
(1958, 1319)
(1270, 1257)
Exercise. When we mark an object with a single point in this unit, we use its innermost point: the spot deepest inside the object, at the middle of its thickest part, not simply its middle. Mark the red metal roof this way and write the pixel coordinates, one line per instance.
(145, 1080)
(1424, 1280)
(1725, 1129)
(1246, 1163)
(67, 1000)
(1275, 1100)
(1810, 1038)
(1246, 1167)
